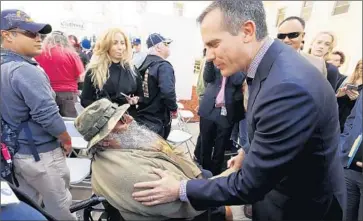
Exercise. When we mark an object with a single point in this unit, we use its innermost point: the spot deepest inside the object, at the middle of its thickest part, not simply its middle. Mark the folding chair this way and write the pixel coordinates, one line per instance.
(79, 169)
(179, 137)
(78, 107)
(78, 143)
(180, 105)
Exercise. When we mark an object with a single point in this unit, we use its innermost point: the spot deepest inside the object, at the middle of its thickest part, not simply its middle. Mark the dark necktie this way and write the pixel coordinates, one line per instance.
(249, 81)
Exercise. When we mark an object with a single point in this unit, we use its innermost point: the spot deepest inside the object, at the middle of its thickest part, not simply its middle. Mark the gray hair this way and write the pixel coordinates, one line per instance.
(57, 38)
(136, 137)
(153, 51)
(237, 12)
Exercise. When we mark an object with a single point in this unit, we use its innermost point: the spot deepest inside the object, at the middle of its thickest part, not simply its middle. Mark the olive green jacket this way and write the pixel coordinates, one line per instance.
(115, 171)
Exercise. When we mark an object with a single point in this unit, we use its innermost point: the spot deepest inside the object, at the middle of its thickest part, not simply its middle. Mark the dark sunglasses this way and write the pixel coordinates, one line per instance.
(290, 35)
(28, 34)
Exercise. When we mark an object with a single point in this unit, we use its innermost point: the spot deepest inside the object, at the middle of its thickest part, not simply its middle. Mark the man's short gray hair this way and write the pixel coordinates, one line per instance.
(153, 50)
(236, 12)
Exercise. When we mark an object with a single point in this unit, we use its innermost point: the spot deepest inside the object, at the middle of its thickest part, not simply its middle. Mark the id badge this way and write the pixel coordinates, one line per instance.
(223, 111)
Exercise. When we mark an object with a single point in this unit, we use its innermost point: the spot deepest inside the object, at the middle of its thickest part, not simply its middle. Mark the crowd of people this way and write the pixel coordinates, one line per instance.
(290, 118)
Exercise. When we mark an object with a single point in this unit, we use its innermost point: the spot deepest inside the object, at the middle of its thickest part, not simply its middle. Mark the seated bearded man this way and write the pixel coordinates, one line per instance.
(125, 153)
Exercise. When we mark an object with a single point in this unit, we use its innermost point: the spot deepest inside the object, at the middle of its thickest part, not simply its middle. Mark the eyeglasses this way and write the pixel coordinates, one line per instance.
(28, 34)
(290, 35)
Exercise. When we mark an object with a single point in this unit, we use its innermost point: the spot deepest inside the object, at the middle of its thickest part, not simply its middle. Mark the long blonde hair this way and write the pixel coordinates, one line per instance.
(354, 77)
(332, 45)
(101, 60)
(57, 39)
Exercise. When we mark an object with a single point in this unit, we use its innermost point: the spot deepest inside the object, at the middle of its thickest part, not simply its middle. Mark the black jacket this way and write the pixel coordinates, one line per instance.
(121, 79)
(159, 91)
(333, 74)
(233, 97)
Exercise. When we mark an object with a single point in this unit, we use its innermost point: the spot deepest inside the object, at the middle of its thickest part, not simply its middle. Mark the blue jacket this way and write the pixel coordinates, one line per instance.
(26, 95)
(159, 92)
(352, 129)
(292, 170)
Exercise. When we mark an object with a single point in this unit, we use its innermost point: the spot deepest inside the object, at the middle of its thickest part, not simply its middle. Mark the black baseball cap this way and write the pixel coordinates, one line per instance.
(155, 39)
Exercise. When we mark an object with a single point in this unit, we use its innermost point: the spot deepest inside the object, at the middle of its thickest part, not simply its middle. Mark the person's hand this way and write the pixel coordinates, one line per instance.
(341, 92)
(174, 114)
(67, 147)
(132, 100)
(359, 164)
(236, 162)
(158, 192)
(352, 94)
(66, 142)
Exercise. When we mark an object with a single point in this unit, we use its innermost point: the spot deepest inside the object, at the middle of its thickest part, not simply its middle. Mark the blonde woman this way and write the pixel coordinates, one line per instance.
(110, 73)
(63, 66)
(348, 93)
(321, 47)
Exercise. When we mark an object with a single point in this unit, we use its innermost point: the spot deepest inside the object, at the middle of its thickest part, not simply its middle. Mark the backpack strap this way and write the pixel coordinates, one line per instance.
(28, 133)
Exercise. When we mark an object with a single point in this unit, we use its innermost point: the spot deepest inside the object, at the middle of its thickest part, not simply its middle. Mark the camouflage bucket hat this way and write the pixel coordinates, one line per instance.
(98, 120)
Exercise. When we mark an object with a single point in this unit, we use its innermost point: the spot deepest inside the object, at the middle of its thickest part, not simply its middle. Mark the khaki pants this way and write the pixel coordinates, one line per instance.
(47, 180)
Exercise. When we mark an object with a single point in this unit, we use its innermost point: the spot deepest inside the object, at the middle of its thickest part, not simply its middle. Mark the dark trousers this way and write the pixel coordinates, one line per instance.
(166, 131)
(197, 150)
(159, 128)
(66, 102)
(213, 141)
(354, 181)
(276, 206)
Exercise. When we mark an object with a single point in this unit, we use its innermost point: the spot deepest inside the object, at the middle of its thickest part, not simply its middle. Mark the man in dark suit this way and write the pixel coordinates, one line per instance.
(292, 170)
(220, 108)
(353, 173)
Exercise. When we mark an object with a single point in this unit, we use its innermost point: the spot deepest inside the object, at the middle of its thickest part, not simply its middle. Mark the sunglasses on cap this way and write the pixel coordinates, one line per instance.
(290, 35)
(28, 34)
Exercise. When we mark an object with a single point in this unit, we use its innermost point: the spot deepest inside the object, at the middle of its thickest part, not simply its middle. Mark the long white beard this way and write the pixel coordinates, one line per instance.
(136, 137)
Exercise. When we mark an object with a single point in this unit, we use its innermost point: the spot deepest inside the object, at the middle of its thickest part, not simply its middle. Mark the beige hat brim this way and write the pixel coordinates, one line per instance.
(120, 111)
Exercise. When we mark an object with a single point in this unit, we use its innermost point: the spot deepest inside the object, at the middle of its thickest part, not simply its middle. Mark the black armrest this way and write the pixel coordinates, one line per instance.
(93, 201)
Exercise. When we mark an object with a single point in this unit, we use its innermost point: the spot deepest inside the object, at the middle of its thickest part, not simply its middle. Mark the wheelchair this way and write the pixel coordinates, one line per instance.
(92, 204)
(99, 204)
(110, 213)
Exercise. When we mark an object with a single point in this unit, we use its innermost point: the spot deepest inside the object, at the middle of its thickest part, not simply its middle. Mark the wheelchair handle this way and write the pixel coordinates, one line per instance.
(95, 200)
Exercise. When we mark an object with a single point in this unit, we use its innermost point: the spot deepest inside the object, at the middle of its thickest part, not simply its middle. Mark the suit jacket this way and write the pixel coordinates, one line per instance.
(319, 63)
(333, 74)
(292, 170)
(233, 97)
(352, 129)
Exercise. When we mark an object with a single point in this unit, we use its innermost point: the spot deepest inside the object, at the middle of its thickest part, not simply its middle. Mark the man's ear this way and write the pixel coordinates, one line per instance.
(303, 35)
(6, 36)
(248, 31)
(158, 48)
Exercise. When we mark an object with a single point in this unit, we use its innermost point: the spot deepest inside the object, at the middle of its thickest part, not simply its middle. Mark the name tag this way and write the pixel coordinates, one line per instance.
(223, 111)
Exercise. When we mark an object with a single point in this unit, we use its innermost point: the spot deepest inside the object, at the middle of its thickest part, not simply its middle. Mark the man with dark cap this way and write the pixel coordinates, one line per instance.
(159, 103)
(138, 56)
(27, 102)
